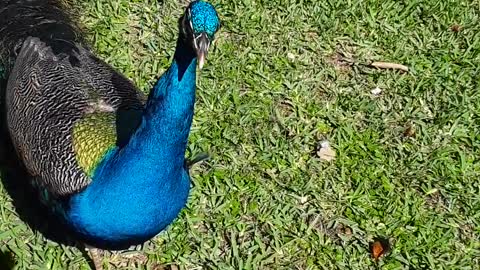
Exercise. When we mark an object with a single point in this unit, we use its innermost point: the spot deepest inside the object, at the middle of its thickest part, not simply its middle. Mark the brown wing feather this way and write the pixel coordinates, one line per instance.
(47, 95)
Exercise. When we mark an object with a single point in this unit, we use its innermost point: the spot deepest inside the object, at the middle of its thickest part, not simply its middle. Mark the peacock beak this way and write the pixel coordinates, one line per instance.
(202, 43)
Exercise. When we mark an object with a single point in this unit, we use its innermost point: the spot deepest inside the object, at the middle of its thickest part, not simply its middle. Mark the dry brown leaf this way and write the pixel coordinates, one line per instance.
(379, 247)
(326, 152)
(456, 28)
(409, 131)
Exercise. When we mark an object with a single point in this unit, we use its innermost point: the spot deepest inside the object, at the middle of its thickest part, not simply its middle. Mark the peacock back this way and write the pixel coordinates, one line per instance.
(65, 112)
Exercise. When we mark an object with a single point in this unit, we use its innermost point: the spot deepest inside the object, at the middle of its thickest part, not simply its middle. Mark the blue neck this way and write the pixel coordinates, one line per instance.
(140, 188)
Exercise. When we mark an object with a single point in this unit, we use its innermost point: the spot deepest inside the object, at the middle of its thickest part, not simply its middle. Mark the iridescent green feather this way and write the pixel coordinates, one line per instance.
(93, 137)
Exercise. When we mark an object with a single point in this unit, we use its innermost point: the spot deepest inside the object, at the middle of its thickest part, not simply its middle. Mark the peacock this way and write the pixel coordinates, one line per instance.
(105, 158)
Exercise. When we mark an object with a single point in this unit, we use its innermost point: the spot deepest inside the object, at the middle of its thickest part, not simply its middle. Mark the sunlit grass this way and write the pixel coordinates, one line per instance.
(282, 77)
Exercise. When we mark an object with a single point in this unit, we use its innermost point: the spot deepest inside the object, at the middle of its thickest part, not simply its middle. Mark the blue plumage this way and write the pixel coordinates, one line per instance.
(204, 18)
(140, 182)
(140, 188)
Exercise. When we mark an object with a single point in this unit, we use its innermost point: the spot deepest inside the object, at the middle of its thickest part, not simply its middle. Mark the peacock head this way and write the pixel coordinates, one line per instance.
(199, 25)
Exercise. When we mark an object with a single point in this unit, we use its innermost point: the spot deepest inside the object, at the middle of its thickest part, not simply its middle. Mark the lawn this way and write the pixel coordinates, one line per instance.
(283, 77)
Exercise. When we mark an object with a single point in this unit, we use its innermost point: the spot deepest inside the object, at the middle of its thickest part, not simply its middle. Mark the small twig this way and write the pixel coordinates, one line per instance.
(386, 65)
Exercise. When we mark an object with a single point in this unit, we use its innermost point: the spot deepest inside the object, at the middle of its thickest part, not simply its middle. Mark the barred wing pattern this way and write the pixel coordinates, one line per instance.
(47, 95)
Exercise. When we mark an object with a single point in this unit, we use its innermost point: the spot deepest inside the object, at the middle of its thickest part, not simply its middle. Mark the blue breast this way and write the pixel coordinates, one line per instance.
(134, 215)
(139, 189)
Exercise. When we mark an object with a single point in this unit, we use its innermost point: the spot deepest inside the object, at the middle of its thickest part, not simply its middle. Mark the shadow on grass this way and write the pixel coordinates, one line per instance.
(25, 199)
(7, 260)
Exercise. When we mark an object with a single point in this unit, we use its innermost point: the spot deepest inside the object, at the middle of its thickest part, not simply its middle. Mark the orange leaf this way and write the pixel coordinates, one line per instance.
(377, 250)
(379, 247)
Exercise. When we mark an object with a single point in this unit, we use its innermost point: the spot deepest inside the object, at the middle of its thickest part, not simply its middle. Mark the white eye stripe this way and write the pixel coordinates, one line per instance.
(195, 38)
(195, 42)
(190, 18)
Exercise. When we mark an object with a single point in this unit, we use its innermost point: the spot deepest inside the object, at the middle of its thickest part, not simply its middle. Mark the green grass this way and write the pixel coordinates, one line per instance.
(278, 81)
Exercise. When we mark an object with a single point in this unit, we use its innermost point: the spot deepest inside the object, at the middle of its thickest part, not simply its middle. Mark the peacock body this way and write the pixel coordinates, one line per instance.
(107, 159)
